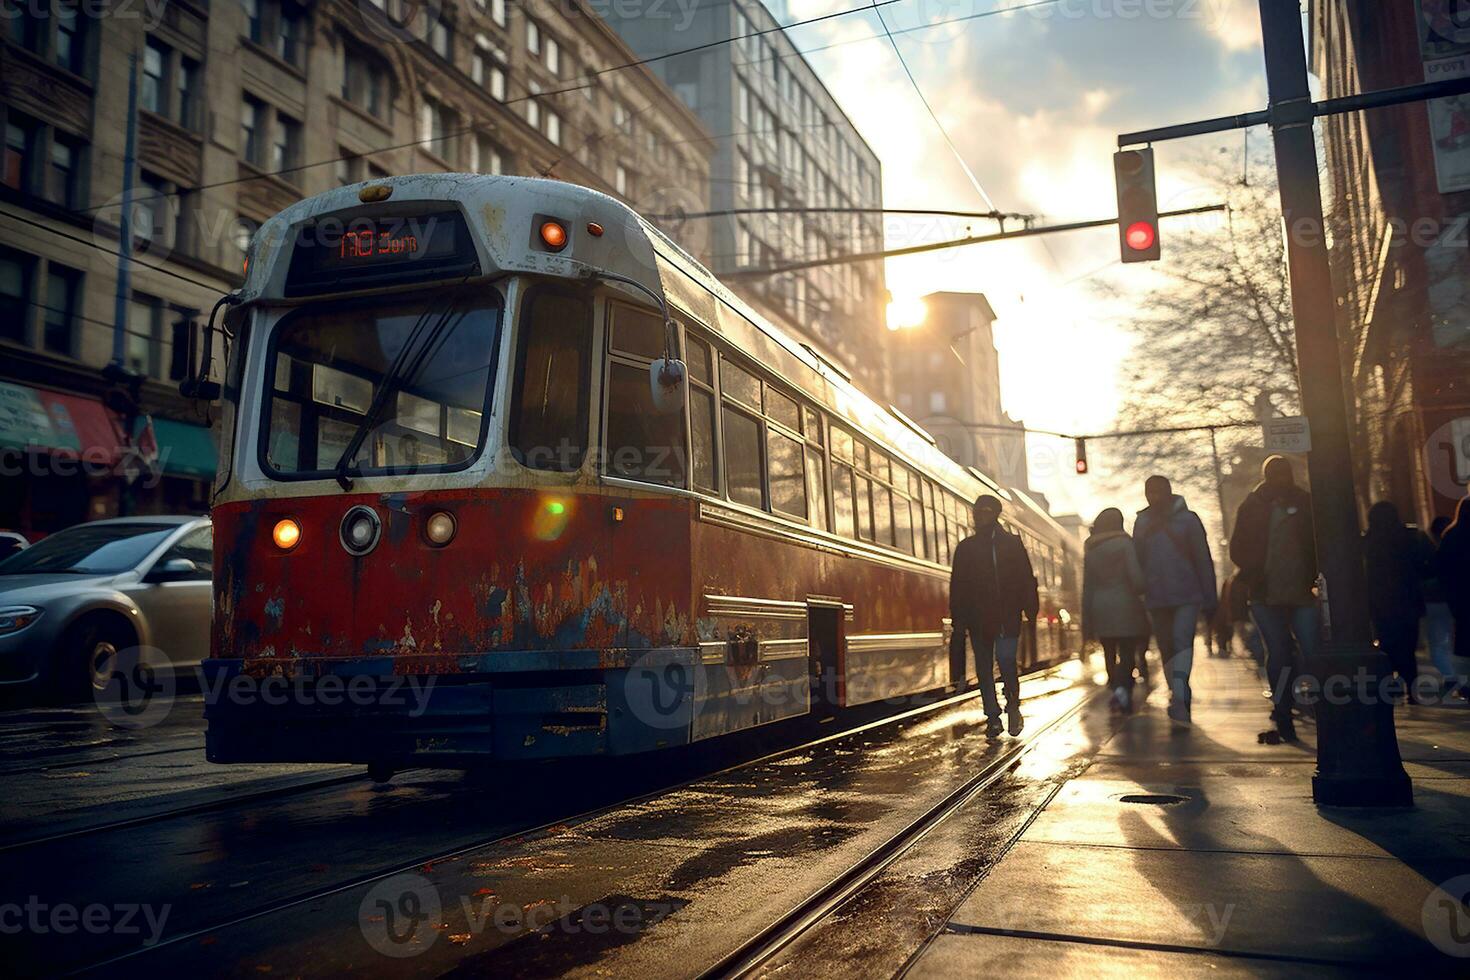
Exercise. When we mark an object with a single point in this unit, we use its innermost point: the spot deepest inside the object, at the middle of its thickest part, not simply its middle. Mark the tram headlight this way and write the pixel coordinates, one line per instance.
(554, 234)
(440, 528)
(360, 530)
(286, 534)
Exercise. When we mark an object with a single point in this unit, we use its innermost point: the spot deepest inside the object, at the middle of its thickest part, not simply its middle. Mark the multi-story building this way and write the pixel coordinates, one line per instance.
(946, 376)
(1398, 207)
(781, 142)
(242, 108)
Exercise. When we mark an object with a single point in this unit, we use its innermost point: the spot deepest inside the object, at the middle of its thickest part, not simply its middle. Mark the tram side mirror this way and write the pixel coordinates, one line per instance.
(666, 381)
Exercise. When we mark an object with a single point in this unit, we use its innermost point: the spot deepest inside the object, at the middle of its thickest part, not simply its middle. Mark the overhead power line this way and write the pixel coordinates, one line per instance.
(952, 243)
(955, 150)
(939, 212)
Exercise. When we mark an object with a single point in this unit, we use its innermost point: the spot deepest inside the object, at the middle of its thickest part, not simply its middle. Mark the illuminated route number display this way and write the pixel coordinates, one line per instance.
(333, 253)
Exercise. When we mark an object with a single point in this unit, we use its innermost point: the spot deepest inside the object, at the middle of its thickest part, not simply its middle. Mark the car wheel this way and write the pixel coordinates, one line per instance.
(86, 659)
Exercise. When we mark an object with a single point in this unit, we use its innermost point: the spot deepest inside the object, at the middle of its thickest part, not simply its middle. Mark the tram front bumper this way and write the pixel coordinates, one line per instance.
(413, 711)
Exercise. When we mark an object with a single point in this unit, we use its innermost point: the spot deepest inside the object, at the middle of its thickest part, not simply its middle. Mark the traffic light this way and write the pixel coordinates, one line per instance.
(1082, 456)
(1138, 206)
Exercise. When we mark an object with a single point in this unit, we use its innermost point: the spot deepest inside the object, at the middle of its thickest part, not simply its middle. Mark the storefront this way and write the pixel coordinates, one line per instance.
(64, 460)
(58, 459)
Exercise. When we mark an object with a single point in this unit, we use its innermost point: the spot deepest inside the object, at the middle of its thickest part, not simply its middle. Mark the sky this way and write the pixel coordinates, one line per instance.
(1033, 100)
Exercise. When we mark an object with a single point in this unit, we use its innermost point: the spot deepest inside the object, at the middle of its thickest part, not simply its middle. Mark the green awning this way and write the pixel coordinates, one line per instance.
(184, 449)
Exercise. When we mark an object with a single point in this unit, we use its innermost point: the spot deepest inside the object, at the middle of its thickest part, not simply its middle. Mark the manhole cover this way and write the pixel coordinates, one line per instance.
(1154, 799)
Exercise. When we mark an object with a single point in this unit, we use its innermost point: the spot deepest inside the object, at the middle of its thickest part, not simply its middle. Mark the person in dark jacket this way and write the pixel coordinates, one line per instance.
(991, 585)
(1396, 558)
(1179, 583)
(1452, 566)
(1112, 601)
(1274, 548)
(1439, 624)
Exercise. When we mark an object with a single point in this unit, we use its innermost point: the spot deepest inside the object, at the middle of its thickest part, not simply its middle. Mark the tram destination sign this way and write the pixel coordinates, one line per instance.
(342, 252)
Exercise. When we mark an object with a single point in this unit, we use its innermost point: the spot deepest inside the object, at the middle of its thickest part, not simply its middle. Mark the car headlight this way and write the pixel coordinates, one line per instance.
(13, 619)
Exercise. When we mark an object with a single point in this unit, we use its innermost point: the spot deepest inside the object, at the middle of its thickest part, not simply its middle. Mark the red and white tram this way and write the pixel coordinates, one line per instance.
(444, 461)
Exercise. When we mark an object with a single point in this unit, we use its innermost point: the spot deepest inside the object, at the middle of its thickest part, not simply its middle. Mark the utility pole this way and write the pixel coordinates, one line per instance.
(1358, 762)
(127, 385)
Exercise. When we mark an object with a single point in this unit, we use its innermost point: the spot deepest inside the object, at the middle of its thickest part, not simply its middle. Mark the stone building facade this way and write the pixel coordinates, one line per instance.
(1397, 197)
(245, 106)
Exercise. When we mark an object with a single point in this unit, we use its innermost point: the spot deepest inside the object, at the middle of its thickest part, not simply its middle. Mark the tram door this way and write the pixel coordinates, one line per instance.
(824, 645)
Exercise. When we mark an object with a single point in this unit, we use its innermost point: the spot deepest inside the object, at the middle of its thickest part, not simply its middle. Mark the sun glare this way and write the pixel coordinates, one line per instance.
(906, 312)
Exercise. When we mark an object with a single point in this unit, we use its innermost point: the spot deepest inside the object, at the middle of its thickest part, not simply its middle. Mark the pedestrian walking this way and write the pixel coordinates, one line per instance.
(991, 585)
(1112, 601)
(1179, 583)
(1439, 623)
(1396, 558)
(1273, 546)
(1452, 565)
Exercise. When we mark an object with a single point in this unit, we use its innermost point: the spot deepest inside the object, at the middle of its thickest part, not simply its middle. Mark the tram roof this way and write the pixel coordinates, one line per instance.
(504, 212)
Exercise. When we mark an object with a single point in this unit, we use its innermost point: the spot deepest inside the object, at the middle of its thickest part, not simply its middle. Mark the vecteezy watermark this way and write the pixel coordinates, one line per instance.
(42, 918)
(1446, 916)
(405, 914)
(150, 12)
(133, 687)
(400, 916)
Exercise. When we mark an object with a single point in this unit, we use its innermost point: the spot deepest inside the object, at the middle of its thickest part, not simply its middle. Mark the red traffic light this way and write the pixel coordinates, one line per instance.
(1140, 236)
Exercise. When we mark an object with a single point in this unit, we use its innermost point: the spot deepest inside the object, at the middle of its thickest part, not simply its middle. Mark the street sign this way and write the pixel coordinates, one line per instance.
(1287, 435)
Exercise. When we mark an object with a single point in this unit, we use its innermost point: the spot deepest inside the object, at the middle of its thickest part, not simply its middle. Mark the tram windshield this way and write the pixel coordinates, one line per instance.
(407, 379)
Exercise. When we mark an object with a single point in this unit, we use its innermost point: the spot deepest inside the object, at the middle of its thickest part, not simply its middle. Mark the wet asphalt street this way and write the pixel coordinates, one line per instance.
(597, 867)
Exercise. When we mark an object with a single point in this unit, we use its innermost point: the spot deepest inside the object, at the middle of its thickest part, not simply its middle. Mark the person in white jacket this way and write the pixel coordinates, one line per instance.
(1112, 601)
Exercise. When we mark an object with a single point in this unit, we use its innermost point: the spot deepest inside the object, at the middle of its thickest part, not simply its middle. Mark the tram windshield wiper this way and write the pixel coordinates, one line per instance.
(407, 364)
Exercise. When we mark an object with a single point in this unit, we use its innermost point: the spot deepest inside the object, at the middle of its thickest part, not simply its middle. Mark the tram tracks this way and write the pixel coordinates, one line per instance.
(749, 957)
(137, 958)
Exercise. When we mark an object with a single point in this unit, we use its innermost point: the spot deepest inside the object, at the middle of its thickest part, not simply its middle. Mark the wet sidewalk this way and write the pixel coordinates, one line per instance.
(1202, 853)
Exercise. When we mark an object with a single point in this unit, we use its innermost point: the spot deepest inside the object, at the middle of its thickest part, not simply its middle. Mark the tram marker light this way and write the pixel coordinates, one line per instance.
(286, 534)
(374, 193)
(594, 229)
(440, 528)
(1082, 457)
(618, 515)
(554, 235)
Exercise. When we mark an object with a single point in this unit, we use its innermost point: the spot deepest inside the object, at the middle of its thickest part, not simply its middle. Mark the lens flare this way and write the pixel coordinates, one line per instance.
(550, 520)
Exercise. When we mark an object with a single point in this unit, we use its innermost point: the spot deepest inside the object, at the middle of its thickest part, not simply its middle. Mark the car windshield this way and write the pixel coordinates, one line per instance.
(89, 549)
(417, 368)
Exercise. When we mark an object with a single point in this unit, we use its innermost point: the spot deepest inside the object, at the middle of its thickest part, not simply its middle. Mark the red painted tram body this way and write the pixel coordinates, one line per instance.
(446, 465)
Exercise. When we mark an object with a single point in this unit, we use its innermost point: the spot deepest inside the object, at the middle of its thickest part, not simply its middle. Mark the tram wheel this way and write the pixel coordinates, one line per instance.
(380, 772)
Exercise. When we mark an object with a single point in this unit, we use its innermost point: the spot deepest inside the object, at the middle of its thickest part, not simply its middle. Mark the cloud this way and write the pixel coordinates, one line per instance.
(1034, 100)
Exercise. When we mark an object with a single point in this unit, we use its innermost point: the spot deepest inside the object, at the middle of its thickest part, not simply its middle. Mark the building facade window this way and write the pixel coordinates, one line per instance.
(153, 92)
(365, 82)
(142, 345)
(15, 295)
(64, 175)
(252, 117)
(59, 318)
(279, 26)
(22, 136)
(285, 146)
(553, 127)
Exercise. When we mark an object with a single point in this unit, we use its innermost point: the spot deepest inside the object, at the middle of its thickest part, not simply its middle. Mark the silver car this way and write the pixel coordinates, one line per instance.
(72, 601)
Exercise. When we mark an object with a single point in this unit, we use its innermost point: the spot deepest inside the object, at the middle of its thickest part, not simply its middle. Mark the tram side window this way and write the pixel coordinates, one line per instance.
(766, 467)
(903, 521)
(702, 416)
(548, 422)
(844, 508)
(816, 469)
(743, 457)
(641, 443)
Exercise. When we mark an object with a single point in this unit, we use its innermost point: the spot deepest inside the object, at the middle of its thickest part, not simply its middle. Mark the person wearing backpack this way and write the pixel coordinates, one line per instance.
(1179, 582)
(1112, 603)
(1274, 548)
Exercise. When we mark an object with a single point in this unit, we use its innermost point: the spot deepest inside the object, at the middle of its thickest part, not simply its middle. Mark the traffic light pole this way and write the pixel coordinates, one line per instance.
(1358, 761)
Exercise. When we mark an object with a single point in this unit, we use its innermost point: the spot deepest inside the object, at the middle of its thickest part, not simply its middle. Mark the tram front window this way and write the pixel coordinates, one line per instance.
(411, 375)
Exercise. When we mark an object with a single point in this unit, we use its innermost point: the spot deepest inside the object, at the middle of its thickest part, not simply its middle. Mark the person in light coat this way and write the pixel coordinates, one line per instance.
(1112, 601)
